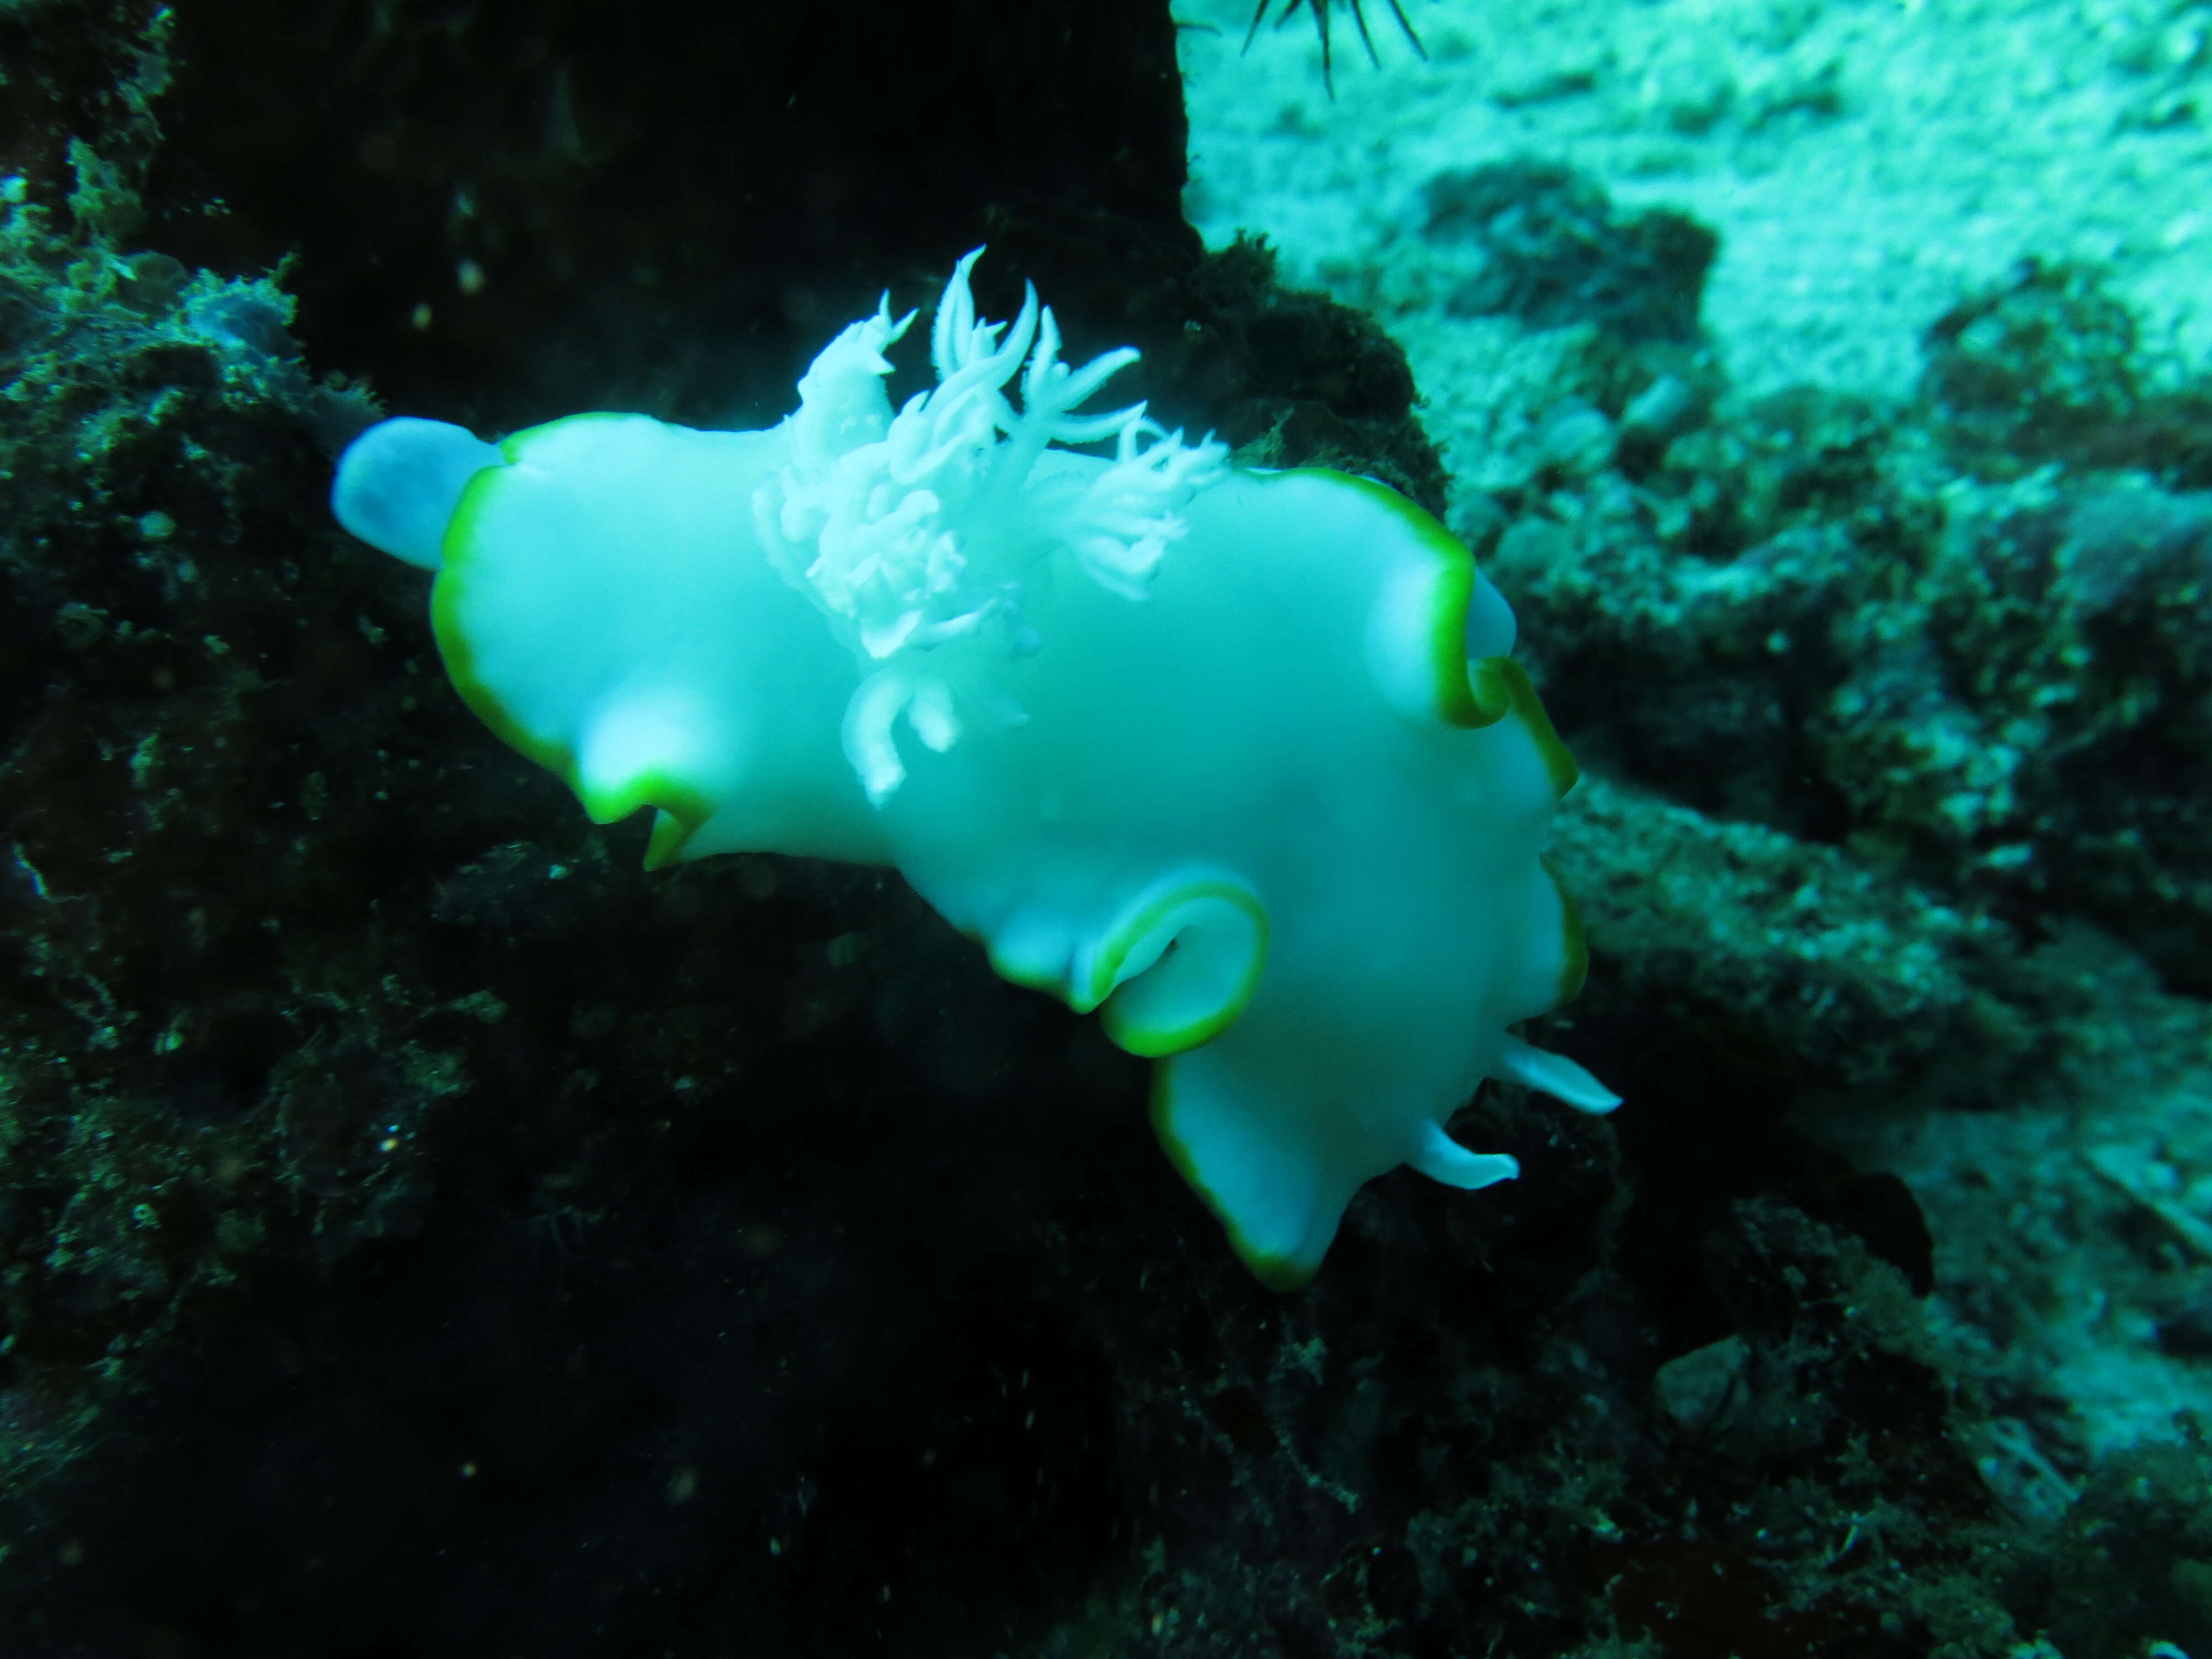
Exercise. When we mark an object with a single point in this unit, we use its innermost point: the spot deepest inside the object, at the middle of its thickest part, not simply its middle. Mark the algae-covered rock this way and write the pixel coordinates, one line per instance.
(1551, 249)
(2034, 710)
(1817, 614)
(2131, 1569)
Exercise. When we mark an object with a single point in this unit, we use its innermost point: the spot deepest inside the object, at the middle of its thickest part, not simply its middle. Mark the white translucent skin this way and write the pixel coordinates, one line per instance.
(619, 602)
(1232, 722)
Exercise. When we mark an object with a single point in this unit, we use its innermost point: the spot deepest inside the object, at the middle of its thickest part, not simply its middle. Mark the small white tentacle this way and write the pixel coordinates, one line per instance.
(1442, 1158)
(1554, 1075)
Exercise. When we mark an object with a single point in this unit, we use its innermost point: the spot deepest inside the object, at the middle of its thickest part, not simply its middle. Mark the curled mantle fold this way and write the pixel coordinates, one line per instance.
(1238, 759)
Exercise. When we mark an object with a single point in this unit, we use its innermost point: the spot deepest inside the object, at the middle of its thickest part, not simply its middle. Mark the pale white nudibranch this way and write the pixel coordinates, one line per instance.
(1238, 759)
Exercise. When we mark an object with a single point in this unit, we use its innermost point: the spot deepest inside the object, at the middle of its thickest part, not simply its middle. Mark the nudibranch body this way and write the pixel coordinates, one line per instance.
(1238, 759)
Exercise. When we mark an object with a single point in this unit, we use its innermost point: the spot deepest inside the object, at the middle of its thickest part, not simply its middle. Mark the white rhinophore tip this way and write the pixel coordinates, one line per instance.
(399, 481)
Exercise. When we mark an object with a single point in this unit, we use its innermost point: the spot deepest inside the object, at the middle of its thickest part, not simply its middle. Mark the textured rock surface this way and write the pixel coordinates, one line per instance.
(421, 1232)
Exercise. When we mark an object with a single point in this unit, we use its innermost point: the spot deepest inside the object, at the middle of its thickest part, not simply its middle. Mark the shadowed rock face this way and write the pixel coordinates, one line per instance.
(422, 1232)
(586, 203)
(325, 1030)
(501, 212)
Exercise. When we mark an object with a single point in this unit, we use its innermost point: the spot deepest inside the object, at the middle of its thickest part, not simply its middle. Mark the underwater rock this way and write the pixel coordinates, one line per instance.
(1553, 251)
